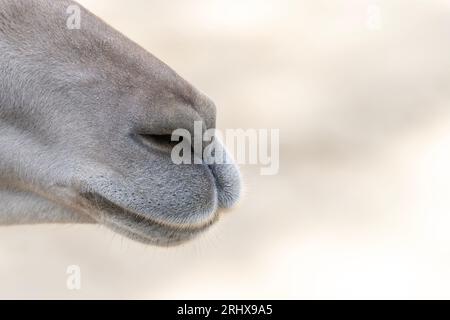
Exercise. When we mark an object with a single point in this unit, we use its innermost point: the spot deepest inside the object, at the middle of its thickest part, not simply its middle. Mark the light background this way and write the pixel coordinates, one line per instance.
(361, 206)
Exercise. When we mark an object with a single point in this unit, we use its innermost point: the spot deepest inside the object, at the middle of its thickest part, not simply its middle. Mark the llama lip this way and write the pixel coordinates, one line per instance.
(138, 226)
(220, 164)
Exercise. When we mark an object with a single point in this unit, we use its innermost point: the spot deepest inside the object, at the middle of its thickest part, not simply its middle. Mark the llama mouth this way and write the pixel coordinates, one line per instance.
(156, 201)
(138, 226)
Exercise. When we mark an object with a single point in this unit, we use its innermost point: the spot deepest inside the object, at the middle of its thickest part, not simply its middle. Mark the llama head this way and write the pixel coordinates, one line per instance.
(86, 117)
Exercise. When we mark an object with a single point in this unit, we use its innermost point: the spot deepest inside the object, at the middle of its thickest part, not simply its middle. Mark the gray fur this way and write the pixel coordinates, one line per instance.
(74, 108)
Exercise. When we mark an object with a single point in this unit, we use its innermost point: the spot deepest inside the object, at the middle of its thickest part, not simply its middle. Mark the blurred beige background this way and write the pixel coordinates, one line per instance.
(360, 90)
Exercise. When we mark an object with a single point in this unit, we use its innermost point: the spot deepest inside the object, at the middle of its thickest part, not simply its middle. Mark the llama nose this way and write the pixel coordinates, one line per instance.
(165, 119)
(206, 108)
(189, 120)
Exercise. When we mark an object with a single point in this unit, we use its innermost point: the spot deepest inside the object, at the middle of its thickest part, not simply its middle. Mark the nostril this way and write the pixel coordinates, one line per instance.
(162, 142)
(163, 139)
